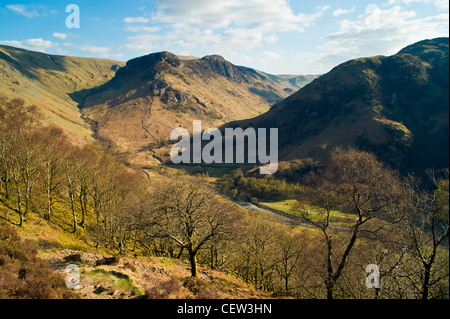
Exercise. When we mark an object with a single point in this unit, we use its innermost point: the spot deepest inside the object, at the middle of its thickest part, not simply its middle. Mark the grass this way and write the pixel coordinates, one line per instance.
(212, 173)
(50, 235)
(336, 217)
(115, 281)
(285, 206)
(131, 277)
(49, 81)
(292, 206)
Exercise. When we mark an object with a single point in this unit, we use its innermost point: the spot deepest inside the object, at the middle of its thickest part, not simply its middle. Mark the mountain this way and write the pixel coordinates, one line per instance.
(397, 107)
(47, 81)
(154, 94)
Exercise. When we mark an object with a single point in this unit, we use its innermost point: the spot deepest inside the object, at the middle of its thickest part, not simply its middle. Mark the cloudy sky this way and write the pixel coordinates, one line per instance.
(275, 36)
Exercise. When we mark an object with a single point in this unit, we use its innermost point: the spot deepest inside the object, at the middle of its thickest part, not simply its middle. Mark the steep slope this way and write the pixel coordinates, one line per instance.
(47, 81)
(396, 106)
(156, 93)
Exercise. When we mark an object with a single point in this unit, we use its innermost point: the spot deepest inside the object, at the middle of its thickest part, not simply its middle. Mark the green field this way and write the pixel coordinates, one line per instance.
(213, 172)
(293, 207)
(286, 206)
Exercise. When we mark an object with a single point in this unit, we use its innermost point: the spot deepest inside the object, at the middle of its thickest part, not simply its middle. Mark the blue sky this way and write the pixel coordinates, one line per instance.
(275, 36)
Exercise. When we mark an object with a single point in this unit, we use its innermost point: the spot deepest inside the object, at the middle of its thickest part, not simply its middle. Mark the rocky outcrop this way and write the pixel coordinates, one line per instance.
(219, 65)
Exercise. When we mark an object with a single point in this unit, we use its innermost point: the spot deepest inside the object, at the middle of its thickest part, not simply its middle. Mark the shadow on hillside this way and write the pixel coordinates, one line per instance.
(29, 61)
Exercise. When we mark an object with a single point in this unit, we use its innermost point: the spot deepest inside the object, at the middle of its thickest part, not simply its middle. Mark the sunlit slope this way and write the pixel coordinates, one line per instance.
(396, 106)
(161, 92)
(48, 82)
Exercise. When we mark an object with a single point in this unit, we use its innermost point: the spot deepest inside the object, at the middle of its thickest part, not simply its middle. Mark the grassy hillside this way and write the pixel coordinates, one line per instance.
(43, 251)
(47, 81)
(395, 106)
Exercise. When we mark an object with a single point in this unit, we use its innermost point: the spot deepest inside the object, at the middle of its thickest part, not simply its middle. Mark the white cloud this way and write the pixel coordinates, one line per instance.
(94, 49)
(31, 11)
(225, 27)
(276, 15)
(377, 32)
(268, 56)
(24, 10)
(144, 43)
(339, 12)
(442, 5)
(98, 51)
(384, 31)
(61, 36)
(39, 44)
(136, 20)
(133, 28)
(271, 38)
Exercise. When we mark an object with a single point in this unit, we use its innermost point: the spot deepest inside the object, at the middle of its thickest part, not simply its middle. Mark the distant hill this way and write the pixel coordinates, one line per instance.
(154, 94)
(47, 81)
(397, 107)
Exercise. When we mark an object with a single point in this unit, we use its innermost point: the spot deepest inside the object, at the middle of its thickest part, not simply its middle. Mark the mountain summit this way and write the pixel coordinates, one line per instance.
(154, 94)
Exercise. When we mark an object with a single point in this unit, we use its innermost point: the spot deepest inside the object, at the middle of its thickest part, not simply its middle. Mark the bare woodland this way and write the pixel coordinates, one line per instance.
(397, 223)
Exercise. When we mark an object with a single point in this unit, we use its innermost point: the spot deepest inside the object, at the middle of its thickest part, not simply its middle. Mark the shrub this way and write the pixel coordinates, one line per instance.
(22, 274)
(164, 290)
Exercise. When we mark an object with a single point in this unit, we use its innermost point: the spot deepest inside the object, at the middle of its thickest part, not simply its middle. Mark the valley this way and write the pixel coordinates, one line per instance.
(86, 178)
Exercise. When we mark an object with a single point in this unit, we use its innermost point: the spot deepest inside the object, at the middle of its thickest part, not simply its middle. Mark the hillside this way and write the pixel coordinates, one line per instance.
(397, 107)
(47, 81)
(43, 251)
(156, 93)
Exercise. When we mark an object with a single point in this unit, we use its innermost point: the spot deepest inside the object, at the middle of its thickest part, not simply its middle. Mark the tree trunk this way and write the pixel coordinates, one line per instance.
(19, 207)
(330, 281)
(83, 205)
(330, 288)
(426, 282)
(74, 214)
(50, 204)
(180, 253)
(49, 193)
(286, 283)
(193, 261)
(6, 183)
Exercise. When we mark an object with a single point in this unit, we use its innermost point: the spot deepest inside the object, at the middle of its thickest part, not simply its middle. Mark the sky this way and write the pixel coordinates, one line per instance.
(275, 36)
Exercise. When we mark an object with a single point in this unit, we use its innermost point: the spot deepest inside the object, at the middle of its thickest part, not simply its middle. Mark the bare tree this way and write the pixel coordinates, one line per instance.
(290, 248)
(71, 166)
(356, 183)
(428, 228)
(53, 147)
(19, 153)
(191, 215)
(255, 256)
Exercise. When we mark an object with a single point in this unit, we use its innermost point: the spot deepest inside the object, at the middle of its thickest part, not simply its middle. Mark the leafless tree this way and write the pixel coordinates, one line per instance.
(428, 229)
(53, 148)
(191, 215)
(290, 248)
(356, 183)
(19, 153)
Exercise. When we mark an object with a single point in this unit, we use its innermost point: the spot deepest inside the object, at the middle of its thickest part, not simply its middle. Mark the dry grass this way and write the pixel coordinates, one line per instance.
(22, 274)
(212, 98)
(127, 277)
(47, 81)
